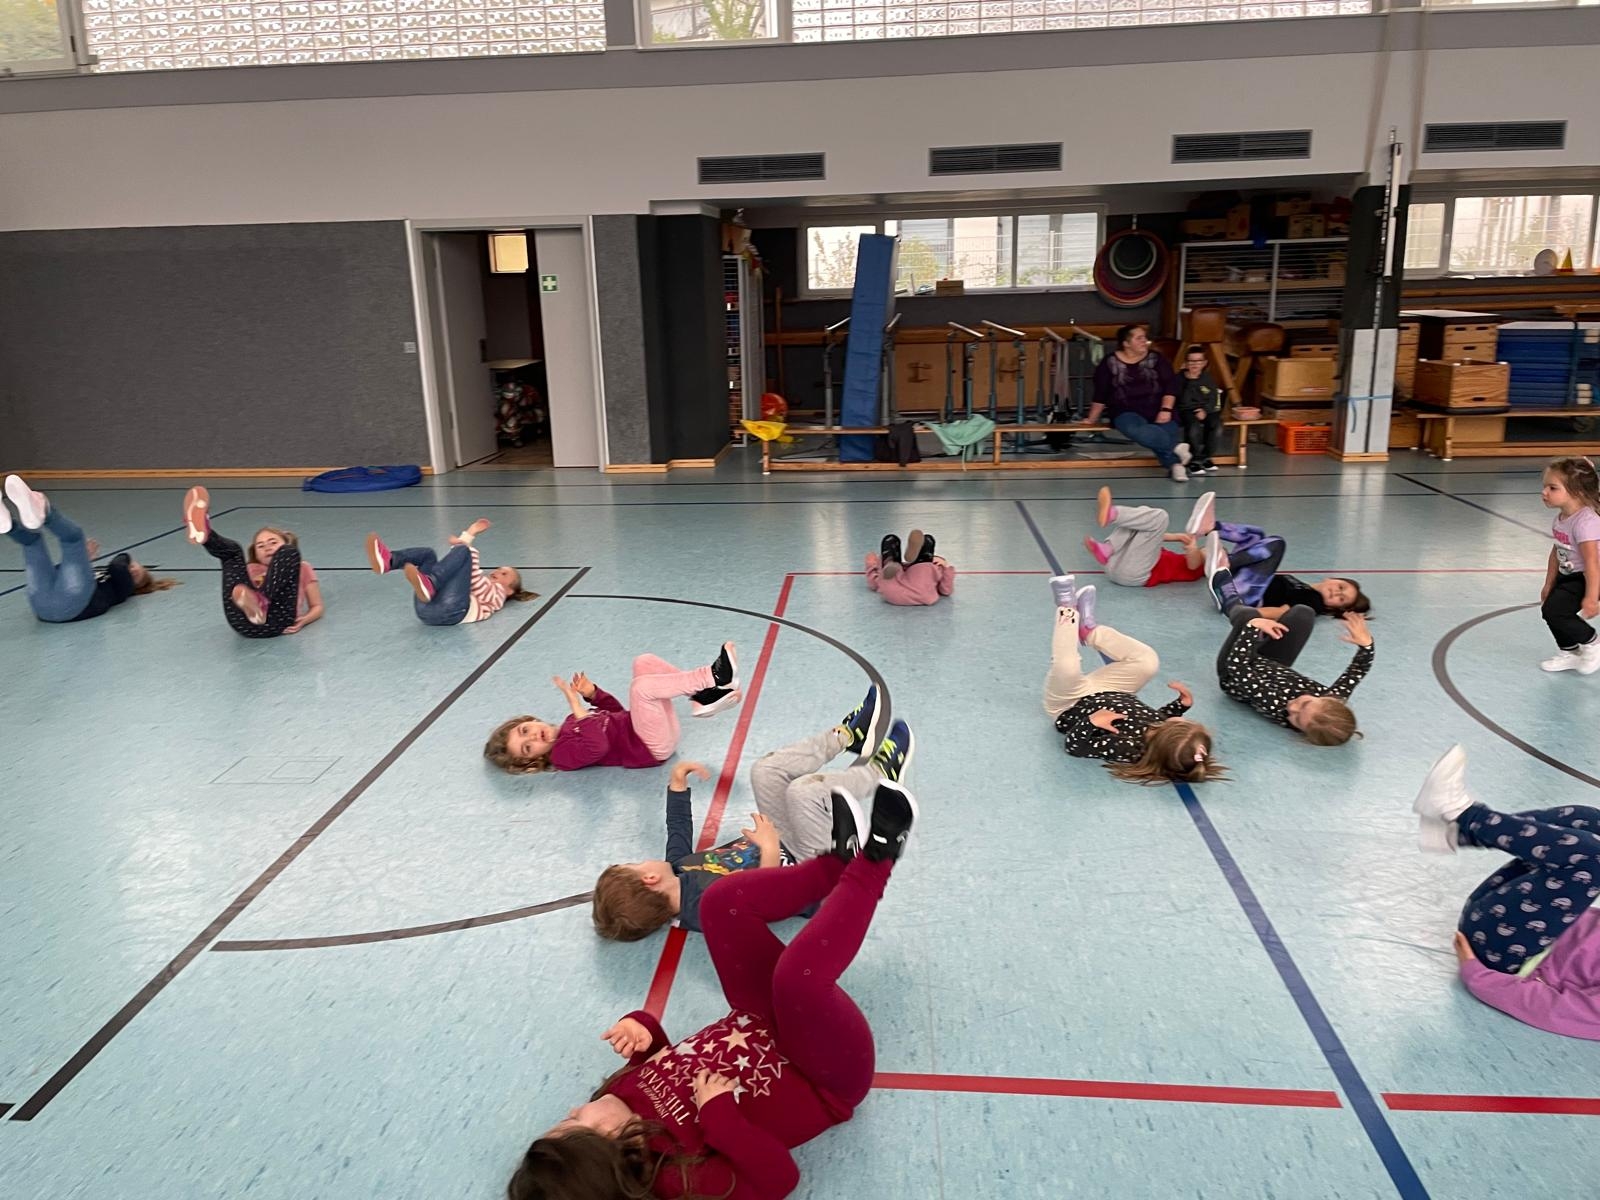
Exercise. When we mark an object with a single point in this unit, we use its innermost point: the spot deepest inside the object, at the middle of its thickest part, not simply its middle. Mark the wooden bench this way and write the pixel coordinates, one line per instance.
(1442, 445)
(995, 462)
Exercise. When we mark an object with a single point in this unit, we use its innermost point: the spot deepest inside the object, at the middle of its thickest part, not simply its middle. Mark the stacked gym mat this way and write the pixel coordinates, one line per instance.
(1553, 363)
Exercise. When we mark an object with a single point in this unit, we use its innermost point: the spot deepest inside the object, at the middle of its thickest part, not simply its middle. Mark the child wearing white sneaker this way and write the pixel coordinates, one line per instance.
(1134, 554)
(601, 733)
(1528, 940)
(1571, 595)
(73, 589)
(1100, 712)
(455, 589)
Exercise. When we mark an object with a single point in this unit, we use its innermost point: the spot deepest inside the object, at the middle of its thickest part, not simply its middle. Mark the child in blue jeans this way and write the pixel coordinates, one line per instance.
(453, 590)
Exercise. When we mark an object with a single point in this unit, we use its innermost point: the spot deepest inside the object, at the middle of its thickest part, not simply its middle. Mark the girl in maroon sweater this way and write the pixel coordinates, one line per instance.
(717, 1113)
(601, 733)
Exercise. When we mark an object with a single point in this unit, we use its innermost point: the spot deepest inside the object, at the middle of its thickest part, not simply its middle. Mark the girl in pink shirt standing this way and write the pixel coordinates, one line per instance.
(1571, 596)
(1529, 936)
(455, 589)
(601, 733)
(916, 577)
(269, 590)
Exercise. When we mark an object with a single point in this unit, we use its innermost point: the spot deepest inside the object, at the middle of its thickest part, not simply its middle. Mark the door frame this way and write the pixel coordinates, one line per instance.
(428, 356)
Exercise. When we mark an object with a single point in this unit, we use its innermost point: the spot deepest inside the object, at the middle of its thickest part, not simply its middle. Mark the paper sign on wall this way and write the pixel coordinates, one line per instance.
(549, 283)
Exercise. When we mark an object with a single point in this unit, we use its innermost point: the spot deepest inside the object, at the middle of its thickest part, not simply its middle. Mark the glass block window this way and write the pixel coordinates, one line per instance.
(165, 35)
(866, 20)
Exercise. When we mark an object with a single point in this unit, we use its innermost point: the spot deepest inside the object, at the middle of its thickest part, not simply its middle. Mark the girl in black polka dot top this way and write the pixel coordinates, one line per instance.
(1254, 668)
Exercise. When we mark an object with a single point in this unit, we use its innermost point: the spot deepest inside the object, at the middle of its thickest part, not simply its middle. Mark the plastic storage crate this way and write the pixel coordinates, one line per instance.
(1295, 437)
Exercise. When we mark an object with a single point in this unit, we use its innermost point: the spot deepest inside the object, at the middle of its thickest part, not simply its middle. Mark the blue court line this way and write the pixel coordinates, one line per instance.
(1544, 533)
(1033, 528)
(125, 549)
(1362, 1101)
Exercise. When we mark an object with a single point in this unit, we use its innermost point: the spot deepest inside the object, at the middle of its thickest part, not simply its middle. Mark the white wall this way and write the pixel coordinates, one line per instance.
(616, 150)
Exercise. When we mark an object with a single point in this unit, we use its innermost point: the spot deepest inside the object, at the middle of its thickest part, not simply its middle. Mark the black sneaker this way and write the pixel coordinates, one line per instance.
(849, 826)
(893, 757)
(861, 725)
(894, 812)
(919, 546)
(724, 672)
(889, 560)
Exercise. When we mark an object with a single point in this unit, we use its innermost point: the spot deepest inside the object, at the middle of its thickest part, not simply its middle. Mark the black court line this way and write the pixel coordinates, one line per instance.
(35, 1103)
(124, 549)
(410, 931)
(1441, 672)
(4, 1108)
(1473, 504)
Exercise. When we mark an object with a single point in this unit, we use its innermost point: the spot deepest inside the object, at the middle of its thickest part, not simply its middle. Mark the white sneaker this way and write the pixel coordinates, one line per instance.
(1202, 518)
(1179, 475)
(1562, 660)
(1183, 453)
(1443, 798)
(32, 506)
(1589, 657)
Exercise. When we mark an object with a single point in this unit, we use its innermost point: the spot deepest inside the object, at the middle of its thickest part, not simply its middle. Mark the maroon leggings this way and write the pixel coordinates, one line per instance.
(795, 987)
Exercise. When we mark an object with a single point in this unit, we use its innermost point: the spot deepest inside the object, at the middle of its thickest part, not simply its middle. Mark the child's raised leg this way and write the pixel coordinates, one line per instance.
(449, 586)
(1299, 621)
(281, 591)
(656, 684)
(1523, 907)
(1132, 665)
(235, 574)
(56, 592)
(1134, 545)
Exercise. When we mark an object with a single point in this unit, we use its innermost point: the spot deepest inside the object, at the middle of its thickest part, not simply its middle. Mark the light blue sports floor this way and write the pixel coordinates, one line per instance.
(1087, 989)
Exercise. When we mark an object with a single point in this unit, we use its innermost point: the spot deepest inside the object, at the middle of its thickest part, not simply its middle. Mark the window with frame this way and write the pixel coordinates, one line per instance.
(33, 36)
(1499, 234)
(988, 252)
(667, 22)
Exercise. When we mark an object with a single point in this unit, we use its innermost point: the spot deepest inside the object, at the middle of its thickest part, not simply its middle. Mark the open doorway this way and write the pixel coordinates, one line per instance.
(511, 346)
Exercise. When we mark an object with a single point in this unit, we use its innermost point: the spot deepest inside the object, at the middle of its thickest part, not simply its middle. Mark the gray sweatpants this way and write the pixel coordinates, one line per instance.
(1136, 536)
(794, 797)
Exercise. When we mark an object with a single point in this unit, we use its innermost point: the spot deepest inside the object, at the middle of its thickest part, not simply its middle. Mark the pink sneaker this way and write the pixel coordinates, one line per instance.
(197, 525)
(1100, 550)
(32, 506)
(248, 601)
(377, 554)
(420, 583)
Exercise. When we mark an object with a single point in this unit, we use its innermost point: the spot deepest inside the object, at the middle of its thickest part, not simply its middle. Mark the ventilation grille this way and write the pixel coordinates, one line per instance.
(761, 168)
(1501, 135)
(994, 160)
(1237, 147)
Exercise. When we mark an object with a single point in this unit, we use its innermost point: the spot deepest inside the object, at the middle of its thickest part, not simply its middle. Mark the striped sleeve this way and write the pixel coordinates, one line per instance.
(488, 595)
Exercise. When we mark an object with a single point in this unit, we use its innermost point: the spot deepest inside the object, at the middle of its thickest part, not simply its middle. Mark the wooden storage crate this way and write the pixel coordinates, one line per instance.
(1295, 438)
(1463, 385)
(1312, 412)
(1486, 429)
(1308, 225)
(1405, 430)
(1405, 359)
(1315, 350)
(1297, 378)
(1447, 334)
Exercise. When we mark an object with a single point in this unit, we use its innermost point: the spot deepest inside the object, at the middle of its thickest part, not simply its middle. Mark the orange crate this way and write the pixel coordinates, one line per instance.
(1297, 438)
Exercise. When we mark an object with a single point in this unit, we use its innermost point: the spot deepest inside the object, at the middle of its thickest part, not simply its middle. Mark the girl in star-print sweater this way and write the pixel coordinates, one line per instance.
(1255, 669)
(717, 1113)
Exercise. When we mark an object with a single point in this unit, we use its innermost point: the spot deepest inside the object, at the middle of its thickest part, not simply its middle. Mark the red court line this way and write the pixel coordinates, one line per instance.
(655, 1002)
(1007, 1085)
(1577, 1106)
(1302, 570)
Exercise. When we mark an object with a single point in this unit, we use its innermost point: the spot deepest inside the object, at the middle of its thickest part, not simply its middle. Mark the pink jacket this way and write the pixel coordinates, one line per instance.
(920, 583)
(1561, 994)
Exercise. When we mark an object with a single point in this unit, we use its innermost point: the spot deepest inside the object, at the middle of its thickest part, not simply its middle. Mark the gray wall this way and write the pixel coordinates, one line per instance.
(215, 346)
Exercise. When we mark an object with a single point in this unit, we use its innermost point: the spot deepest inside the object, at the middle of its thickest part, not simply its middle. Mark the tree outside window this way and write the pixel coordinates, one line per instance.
(30, 32)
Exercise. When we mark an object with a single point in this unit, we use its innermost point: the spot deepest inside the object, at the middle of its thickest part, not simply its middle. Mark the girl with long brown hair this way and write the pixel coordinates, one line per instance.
(266, 592)
(717, 1114)
(1100, 711)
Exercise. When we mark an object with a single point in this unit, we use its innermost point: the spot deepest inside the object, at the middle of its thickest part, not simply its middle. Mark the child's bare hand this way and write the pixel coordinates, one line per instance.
(1355, 630)
(295, 628)
(708, 1086)
(1589, 609)
(565, 688)
(1463, 948)
(1105, 719)
(941, 562)
(93, 547)
(682, 770)
(1273, 629)
(872, 560)
(763, 834)
(627, 1037)
(1188, 541)
(582, 684)
(1184, 693)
